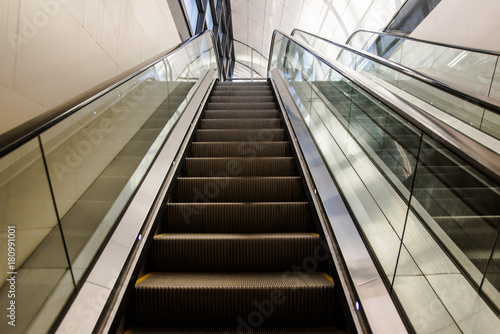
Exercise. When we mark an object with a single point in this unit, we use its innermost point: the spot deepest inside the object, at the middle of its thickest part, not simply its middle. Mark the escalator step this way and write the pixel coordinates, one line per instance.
(246, 327)
(214, 114)
(220, 299)
(241, 86)
(206, 252)
(242, 83)
(249, 92)
(251, 123)
(212, 135)
(240, 149)
(269, 166)
(241, 90)
(241, 99)
(239, 189)
(240, 106)
(237, 217)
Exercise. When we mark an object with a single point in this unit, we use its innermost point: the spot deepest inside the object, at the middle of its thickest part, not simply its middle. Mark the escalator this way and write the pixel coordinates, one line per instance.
(461, 202)
(309, 203)
(238, 249)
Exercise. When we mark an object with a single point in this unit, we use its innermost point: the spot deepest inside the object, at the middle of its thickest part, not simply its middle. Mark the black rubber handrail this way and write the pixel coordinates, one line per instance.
(29, 130)
(471, 97)
(451, 46)
(477, 155)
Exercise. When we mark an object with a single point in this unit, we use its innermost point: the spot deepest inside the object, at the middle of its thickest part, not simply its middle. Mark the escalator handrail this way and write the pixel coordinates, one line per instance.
(446, 45)
(25, 132)
(476, 99)
(477, 155)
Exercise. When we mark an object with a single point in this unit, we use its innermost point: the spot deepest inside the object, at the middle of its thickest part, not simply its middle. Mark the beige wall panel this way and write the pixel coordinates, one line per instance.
(65, 47)
(9, 13)
(16, 109)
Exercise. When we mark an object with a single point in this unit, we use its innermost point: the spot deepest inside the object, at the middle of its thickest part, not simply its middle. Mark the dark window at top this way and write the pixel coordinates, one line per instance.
(410, 15)
(214, 15)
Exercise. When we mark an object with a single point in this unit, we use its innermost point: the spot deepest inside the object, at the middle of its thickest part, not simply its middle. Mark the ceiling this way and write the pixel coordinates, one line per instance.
(255, 20)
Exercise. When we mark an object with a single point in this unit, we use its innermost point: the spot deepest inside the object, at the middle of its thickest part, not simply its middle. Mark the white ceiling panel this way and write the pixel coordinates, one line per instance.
(255, 20)
(274, 7)
(239, 6)
(256, 30)
(289, 22)
(309, 15)
(256, 14)
(240, 35)
(294, 8)
(259, 3)
(255, 42)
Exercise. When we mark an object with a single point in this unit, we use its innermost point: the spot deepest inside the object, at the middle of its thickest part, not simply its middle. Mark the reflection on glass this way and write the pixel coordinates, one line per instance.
(463, 204)
(32, 255)
(470, 70)
(416, 203)
(97, 157)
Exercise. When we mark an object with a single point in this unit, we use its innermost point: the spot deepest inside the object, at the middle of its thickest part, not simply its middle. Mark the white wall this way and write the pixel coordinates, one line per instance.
(52, 50)
(471, 23)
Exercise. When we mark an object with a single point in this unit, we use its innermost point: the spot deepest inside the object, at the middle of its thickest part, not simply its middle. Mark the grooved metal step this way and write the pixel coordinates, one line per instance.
(241, 99)
(239, 189)
(216, 135)
(223, 252)
(220, 299)
(246, 149)
(272, 166)
(240, 106)
(241, 90)
(244, 123)
(248, 92)
(214, 114)
(242, 85)
(243, 327)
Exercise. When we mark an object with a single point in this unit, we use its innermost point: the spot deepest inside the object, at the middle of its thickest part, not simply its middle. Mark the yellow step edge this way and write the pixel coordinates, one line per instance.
(316, 234)
(328, 277)
(143, 278)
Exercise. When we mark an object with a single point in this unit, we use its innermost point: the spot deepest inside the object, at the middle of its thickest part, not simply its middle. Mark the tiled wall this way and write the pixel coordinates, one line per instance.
(472, 23)
(52, 50)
